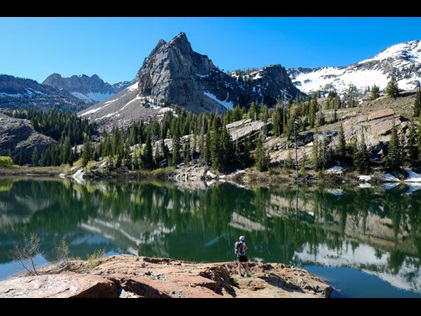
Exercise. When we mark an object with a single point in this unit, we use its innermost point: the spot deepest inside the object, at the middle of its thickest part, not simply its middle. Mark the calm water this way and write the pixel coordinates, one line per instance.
(365, 242)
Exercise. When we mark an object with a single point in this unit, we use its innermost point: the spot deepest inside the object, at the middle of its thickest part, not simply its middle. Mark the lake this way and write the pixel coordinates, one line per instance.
(365, 241)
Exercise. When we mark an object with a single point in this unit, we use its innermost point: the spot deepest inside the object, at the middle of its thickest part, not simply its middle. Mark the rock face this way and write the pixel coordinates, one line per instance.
(174, 74)
(17, 134)
(127, 276)
(376, 126)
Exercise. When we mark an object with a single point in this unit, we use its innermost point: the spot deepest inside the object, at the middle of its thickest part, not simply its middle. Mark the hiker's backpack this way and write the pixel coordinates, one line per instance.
(237, 247)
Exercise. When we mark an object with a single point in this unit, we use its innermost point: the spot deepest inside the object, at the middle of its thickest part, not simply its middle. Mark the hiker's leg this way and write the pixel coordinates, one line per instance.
(246, 265)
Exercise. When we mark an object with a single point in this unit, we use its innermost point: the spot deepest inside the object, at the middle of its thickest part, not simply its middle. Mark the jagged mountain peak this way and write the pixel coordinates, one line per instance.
(160, 43)
(180, 38)
(181, 42)
(177, 51)
(174, 74)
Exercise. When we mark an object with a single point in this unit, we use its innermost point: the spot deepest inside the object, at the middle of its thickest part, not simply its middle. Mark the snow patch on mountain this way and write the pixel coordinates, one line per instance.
(92, 96)
(226, 104)
(410, 51)
(403, 60)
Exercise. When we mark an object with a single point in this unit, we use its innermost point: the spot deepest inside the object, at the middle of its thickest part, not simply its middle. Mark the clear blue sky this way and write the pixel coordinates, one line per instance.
(114, 47)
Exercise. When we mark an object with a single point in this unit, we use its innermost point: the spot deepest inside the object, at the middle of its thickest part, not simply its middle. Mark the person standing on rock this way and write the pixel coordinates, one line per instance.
(242, 260)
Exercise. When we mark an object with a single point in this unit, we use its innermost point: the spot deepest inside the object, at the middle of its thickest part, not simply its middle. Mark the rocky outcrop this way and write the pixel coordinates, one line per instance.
(375, 125)
(127, 276)
(17, 134)
(242, 129)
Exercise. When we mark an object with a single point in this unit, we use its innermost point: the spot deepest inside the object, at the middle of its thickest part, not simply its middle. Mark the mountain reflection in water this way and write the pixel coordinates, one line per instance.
(372, 233)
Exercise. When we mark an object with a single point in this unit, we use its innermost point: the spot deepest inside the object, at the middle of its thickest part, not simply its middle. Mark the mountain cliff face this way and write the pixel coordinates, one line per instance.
(173, 74)
(402, 60)
(17, 134)
(91, 89)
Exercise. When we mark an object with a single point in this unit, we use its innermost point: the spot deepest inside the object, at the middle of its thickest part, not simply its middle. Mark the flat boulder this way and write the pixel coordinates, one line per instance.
(65, 285)
(128, 276)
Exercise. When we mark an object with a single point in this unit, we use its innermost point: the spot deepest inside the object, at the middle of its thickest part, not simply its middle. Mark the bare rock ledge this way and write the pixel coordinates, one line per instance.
(128, 276)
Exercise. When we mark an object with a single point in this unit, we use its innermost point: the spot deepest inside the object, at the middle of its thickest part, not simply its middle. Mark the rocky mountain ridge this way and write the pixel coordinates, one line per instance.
(66, 94)
(91, 89)
(174, 74)
(21, 93)
(402, 60)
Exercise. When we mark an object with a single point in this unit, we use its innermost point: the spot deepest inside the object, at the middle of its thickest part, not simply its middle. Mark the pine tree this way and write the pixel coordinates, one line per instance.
(186, 153)
(392, 89)
(247, 158)
(86, 151)
(361, 157)
(342, 142)
(147, 153)
(202, 138)
(227, 150)
(176, 149)
(375, 93)
(237, 113)
(413, 152)
(35, 157)
(324, 156)
(313, 112)
(260, 156)
(21, 157)
(277, 127)
(417, 103)
(394, 157)
(207, 150)
(215, 148)
(315, 151)
(293, 125)
(66, 152)
(418, 143)
(254, 111)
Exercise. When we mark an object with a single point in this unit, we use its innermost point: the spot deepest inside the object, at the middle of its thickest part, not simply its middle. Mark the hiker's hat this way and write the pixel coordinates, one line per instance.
(242, 238)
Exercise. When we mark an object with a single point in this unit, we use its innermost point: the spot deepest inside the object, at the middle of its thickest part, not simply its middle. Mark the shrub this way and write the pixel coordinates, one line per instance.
(62, 251)
(26, 250)
(94, 259)
(6, 161)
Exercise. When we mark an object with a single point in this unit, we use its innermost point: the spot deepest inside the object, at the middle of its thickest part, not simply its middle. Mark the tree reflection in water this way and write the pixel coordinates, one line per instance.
(374, 230)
